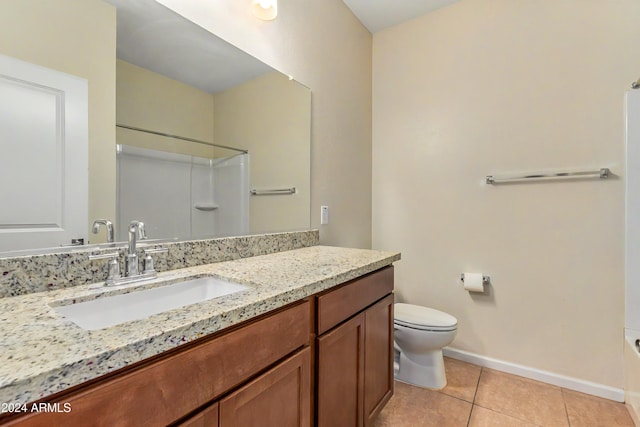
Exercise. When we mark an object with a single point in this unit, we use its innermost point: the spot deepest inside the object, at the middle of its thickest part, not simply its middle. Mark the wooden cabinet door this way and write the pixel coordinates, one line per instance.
(279, 398)
(340, 375)
(378, 358)
(206, 418)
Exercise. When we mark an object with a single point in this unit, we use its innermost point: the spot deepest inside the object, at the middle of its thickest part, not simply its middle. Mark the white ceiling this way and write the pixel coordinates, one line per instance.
(379, 14)
(154, 37)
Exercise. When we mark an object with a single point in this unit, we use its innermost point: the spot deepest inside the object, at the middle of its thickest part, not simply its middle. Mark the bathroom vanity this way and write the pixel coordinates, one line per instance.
(311, 343)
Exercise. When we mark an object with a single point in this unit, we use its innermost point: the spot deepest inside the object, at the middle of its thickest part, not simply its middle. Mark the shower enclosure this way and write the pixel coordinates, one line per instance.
(182, 196)
(632, 266)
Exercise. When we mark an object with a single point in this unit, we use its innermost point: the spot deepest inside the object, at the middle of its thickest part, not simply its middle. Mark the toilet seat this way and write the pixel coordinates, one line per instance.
(423, 318)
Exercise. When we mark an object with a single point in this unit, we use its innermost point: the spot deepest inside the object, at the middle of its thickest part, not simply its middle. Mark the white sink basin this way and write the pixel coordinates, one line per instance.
(113, 310)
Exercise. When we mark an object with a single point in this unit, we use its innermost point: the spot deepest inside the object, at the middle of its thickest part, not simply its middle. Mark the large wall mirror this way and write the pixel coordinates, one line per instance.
(186, 132)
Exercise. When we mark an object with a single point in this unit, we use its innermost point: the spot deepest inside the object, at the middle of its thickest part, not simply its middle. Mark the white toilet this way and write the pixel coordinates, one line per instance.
(420, 333)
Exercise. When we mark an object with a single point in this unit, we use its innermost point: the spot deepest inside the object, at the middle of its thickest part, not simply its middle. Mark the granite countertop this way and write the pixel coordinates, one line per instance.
(42, 353)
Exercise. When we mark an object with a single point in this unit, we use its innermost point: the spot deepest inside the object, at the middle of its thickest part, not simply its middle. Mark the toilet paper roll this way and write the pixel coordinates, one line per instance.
(473, 282)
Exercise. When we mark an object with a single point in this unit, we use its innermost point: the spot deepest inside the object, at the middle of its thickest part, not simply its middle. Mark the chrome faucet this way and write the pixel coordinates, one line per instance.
(136, 230)
(109, 226)
(131, 267)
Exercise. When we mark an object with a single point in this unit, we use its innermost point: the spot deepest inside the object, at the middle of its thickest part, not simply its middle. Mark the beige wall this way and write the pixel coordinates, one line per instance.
(323, 46)
(77, 37)
(149, 100)
(271, 117)
(496, 86)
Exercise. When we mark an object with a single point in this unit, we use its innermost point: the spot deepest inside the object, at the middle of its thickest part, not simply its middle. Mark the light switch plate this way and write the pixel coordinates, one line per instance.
(324, 215)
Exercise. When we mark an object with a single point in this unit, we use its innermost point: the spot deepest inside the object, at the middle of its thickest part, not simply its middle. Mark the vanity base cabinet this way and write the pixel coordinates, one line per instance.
(354, 376)
(281, 369)
(166, 388)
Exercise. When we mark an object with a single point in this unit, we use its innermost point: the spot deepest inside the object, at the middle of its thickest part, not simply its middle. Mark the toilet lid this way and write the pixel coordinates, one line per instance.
(419, 317)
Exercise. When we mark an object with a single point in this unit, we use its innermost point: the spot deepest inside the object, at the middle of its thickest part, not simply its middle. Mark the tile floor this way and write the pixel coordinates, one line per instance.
(482, 397)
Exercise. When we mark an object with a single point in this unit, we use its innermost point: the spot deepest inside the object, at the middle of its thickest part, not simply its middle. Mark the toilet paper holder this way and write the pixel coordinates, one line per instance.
(485, 279)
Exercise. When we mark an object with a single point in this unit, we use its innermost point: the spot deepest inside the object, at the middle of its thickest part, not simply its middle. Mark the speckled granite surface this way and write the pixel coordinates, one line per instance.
(21, 275)
(42, 353)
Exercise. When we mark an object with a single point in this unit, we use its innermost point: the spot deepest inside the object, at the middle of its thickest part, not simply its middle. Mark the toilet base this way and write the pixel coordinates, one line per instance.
(427, 372)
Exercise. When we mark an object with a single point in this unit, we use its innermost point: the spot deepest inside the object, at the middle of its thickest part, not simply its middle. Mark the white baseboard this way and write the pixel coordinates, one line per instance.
(576, 384)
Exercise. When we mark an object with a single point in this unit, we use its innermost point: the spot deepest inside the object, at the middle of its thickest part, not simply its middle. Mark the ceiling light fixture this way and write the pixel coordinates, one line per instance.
(265, 9)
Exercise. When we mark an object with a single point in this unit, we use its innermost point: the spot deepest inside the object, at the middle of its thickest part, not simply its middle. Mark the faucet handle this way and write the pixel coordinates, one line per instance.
(113, 267)
(155, 250)
(148, 260)
(107, 255)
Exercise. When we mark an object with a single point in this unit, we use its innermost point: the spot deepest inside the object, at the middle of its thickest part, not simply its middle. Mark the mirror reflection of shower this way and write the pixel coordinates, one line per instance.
(182, 196)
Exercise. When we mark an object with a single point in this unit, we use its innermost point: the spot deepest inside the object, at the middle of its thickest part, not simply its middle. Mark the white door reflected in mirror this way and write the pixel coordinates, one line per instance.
(43, 141)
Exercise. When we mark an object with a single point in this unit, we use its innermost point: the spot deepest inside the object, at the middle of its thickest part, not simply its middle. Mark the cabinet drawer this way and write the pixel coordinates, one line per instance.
(338, 304)
(162, 392)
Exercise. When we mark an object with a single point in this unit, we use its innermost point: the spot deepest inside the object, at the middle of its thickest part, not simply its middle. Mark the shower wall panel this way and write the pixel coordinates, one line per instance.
(180, 196)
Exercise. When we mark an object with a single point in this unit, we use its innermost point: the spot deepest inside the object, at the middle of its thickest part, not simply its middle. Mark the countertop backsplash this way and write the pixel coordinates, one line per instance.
(21, 275)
